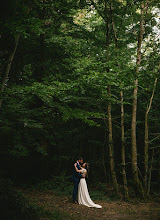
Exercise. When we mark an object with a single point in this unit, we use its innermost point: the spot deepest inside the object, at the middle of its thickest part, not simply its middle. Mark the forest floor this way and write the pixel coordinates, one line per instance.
(115, 210)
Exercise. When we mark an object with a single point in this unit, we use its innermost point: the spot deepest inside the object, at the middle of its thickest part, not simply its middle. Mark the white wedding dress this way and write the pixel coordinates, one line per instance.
(83, 194)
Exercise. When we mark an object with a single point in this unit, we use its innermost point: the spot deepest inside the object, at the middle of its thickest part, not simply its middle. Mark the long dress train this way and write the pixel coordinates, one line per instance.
(83, 194)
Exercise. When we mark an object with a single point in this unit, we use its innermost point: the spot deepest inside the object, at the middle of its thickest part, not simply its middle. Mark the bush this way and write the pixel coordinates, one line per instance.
(59, 184)
(13, 205)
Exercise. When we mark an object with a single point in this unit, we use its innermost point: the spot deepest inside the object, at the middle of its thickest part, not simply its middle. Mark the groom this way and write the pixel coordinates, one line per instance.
(76, 177)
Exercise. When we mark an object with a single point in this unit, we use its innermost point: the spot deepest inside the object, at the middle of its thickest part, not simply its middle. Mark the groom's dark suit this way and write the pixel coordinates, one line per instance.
(76, 178)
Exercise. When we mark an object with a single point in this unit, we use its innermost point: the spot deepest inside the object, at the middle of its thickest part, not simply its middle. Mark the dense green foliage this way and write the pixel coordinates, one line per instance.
(55, 98)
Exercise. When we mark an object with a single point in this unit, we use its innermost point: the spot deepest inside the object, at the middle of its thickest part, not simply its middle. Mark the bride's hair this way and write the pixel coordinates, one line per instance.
(87, 167)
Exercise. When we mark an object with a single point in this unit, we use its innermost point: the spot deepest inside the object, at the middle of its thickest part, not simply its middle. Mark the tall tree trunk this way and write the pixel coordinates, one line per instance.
(136, 180)
(146, 138)
(126, 194)
(111, 155)
(8, 67)
(110, 135)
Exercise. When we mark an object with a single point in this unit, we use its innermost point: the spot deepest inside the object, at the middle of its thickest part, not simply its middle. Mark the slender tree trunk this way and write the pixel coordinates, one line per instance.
(126, 194)
(146, 138)
(137, 182)
(149, 174)
(111, 154)
(6, 74)
(146, 151)
(103, 154)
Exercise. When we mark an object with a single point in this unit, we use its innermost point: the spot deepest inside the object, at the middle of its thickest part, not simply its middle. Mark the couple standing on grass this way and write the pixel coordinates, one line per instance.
(80, 185)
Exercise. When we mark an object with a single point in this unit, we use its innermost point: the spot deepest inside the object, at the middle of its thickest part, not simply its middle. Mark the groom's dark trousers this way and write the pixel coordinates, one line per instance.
(76, 178)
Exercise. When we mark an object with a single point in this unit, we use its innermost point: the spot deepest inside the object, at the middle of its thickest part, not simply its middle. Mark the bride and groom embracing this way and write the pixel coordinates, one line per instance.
(80, 185)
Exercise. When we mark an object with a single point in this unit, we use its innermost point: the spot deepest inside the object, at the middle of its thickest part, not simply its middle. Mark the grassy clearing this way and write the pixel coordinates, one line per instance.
(53, 201)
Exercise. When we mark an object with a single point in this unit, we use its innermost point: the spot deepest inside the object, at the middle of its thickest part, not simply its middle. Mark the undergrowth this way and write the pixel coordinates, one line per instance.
(63, 186)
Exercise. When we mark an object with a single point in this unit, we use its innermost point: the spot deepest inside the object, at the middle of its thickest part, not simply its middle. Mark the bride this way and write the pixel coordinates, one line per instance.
(83, 194)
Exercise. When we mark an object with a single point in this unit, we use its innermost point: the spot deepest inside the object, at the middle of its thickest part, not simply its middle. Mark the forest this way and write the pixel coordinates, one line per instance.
(79, 78)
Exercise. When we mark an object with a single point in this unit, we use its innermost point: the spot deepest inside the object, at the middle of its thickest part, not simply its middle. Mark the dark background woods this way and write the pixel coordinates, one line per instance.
(58, 60)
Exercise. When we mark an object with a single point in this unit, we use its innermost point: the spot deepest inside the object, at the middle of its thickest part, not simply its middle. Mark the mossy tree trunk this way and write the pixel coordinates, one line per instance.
(136, 180)
(109, 107)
